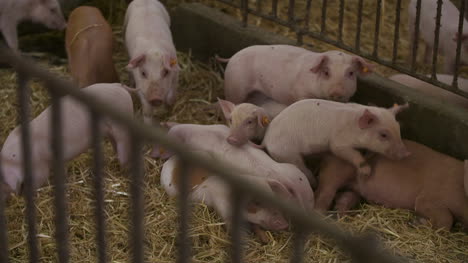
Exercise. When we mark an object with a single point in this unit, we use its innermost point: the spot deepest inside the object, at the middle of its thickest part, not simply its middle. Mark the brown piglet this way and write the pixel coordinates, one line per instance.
(428, 182)
(89, 45)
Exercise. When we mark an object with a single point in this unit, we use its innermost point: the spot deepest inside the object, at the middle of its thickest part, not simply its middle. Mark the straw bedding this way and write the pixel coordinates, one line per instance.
(200, 84)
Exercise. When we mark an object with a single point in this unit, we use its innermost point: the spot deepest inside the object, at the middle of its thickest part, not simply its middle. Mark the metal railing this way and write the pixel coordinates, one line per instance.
(360, 248)
(304, 29)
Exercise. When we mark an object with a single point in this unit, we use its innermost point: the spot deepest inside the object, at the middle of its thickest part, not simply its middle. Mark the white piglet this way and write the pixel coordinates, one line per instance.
(287, 74)
(12, 12)
(317, 126)
(76, 137)
(153, 59)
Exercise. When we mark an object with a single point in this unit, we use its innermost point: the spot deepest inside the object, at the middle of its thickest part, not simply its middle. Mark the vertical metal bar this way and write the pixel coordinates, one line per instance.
(435, 50)
(137, 200)
(292, 3)
(23, 97)
(274, 8)
(237, 227)
(323, 27)
(3, 225)
(416, 35)
(466, 9)
(301, 33)
(98, 187)
(298, 246)
(341, 20)
(244, 10)
(397, 31)
(459, 43)
(259, 6)
(377, 28)
(184, 209)
(359, 23)
(61, 222)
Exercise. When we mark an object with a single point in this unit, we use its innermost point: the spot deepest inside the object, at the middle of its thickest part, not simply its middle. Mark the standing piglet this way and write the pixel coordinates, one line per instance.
(12, 12)
(89, 42)
(316, 126)
(431, 183)
(214, 192)
(153, 58)
(75, 135)
(287, 74)
(448, 31)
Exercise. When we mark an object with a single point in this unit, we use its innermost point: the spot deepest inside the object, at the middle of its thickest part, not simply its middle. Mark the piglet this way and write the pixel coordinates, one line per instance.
(287, 74)
(246, 121)
(212, 139)
(153, 58)
(448, 31)
(441, 94)
(76, 135)
(431, 183)
(214, 192)
(12, 12)
(89, 45)
(316, 126)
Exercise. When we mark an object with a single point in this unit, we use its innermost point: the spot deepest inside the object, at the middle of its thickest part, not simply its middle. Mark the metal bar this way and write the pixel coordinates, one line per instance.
(3, 223)
(323, 26)
(98, 186)
(416, 35)
(378, 17)
(61, 222)
(237, 226)
(357, 44)
(184, 210)
(396, 36)
(292, 4)
(274, 8)
(29, 191)
(341, 20)
(299, 239)
(137, 199)
(245, 12)
(435, 50)
(300, 34)
(459, 44)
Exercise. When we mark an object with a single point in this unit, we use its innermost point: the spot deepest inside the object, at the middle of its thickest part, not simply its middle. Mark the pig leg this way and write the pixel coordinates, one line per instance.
(354, 157)
(439, 216)
(9, 32)
(325, 193)
(121, 142)
(345, 201)
(260, 233)
(147, 110)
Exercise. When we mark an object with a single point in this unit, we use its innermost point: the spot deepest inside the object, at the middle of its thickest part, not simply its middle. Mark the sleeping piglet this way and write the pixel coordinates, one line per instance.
(287, 74)
(316, 126)
(89, 44)
(214, 192)
(246, 121)
(212, 139)
(76, 137)
(431, 183)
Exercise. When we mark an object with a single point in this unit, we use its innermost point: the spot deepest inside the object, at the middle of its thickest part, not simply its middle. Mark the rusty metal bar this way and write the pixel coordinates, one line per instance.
(341, 20)
(245, 12)
(396, 36)
(323, 26)
(292, 3)
(29, 191)
(274, 8)
(237, 227)
(459, 44)
(299, 239)
(435, 50)
(58, 168)
(377, 28)
(357, 45)
(415, 43)
(136, 163)
(184, 217)
(98, 186)
(300, 34)
(3, 223)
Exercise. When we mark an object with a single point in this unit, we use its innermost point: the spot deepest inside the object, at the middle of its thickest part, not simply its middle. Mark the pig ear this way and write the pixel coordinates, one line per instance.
(320, 62)
(170, 62)
(367, 119)
(262, 118)
(398, 108)
(136, 62)
(160, 152)
(227, 107)
(363, 66)
(279, 188)
(463, 37)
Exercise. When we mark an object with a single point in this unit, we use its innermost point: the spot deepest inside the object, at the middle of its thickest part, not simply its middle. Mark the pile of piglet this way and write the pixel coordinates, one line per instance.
(283, 104)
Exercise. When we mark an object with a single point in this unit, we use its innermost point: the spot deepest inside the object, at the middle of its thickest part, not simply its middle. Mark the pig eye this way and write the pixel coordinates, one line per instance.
(164, 73)
(351, 74)
(143, 74)
(326, 73)
(384, 135)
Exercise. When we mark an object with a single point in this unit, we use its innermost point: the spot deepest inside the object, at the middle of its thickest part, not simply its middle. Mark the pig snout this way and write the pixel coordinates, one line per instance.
(278, 224)
(234, 140)
(337, 96)
(399, 152)
(155, 101)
